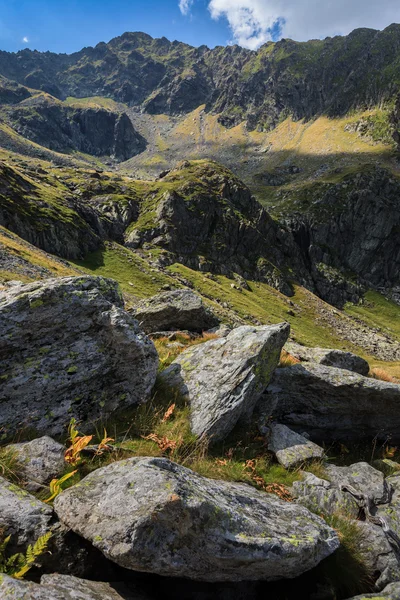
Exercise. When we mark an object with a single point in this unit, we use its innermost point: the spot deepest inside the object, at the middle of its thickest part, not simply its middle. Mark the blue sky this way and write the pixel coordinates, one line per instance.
(69, 25)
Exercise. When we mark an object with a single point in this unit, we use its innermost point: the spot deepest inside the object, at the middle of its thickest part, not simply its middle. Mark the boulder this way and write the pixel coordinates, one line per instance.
(40, 461)
(69, 349)
(176, 310)
(58, 587)
(391, 592)
(152, 515)
(290, 448)
(333, 404)
(329, 358)
(22, 516)
(330, 497)
(225, 377)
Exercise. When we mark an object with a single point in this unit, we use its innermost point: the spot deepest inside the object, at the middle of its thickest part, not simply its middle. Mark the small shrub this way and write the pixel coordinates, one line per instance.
(10, 467)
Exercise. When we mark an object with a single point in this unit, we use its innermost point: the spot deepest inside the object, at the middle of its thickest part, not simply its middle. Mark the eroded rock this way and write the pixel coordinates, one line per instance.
(40, 461)
(68, 349)
(176, 310)
(224, 378)
(290, 448)
(58, 587)
(152, 515)
(329, 357)
(333, 404)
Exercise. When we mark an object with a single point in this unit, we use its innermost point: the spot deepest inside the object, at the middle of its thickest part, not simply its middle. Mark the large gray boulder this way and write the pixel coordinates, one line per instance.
(175, 310)
(329, 357)
(290, 448)
(224, 378)
(333, 404)
(68, 349)
(40, 461)
(58, 587)
(152, 515)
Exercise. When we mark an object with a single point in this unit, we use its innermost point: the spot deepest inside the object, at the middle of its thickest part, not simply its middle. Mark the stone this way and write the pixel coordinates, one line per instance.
(40, 461)
(333, 404)
(59, 587)
(329, 497)
(329, 357)
(69, 349)
(152, 515)
(290, 448)
(224, 378)
(176, 310)
(22, 516)
(391, 592)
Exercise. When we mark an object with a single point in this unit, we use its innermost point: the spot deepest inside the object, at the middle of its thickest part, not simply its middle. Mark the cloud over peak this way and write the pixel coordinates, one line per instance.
(254, 22)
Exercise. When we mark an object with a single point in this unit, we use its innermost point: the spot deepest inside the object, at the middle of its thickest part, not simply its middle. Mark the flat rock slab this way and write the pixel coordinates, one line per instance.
(290, 448)
(58, 587)
(68, 349)
(40, 461)
(171, 311)
(329, 357)
(333, 404)
(152, 515)
(224, 378)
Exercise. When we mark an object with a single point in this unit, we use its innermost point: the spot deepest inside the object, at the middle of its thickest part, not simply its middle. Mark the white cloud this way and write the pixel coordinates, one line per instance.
(25, 40)
(185, 5)
(252, 21)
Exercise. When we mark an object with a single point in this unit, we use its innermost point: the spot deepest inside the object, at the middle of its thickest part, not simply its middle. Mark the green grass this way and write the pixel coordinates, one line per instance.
(95, 102)
(132, 272)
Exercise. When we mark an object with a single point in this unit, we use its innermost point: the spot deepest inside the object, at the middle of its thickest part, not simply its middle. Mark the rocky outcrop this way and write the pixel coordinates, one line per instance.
(290, 448)
(224, 378)
(329, 357)
(333, 404)
(149, 514)
(352, 227)
(361, 493)
(39, 461)
(173, 311)
(210, 221)
(96, 131)
(58, 587)
(68, 349)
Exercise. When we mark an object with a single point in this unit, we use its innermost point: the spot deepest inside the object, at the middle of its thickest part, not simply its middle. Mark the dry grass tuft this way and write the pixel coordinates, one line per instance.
(287, 360)
(382, 375)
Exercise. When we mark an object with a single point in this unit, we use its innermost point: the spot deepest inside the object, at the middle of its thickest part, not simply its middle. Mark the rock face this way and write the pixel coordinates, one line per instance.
(332, 403)
(176, 310)
(152, 515)
(58, 587)
(68, 349)
(329, 358)
(224, 378)
(290, 448)
(40, 461)
(95, 131)
(170, 77)
(209, 221)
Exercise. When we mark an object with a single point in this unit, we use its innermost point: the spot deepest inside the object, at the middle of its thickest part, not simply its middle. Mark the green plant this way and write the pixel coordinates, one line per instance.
(10, 466)
(56, 485)
(19, 564)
